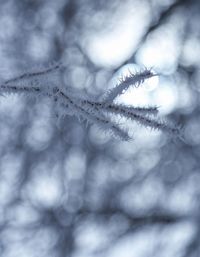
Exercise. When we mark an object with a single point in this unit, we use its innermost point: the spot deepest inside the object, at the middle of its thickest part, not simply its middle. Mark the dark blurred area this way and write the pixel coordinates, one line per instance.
(70, 190)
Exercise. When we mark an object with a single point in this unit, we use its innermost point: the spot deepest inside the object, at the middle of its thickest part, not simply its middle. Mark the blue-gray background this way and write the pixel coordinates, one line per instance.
(70, 190)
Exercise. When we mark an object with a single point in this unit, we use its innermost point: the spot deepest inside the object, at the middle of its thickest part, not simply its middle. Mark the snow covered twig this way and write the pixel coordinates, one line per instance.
(43, 83)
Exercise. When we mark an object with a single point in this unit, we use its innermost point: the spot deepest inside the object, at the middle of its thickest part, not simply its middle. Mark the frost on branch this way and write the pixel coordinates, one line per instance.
(134, 79)
(46, 83)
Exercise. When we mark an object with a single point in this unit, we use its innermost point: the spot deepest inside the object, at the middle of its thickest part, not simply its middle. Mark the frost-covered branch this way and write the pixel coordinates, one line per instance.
(133, 79)
(46, 83)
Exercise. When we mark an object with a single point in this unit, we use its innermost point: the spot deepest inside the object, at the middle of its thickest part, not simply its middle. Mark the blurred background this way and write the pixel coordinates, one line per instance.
(70, 190)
